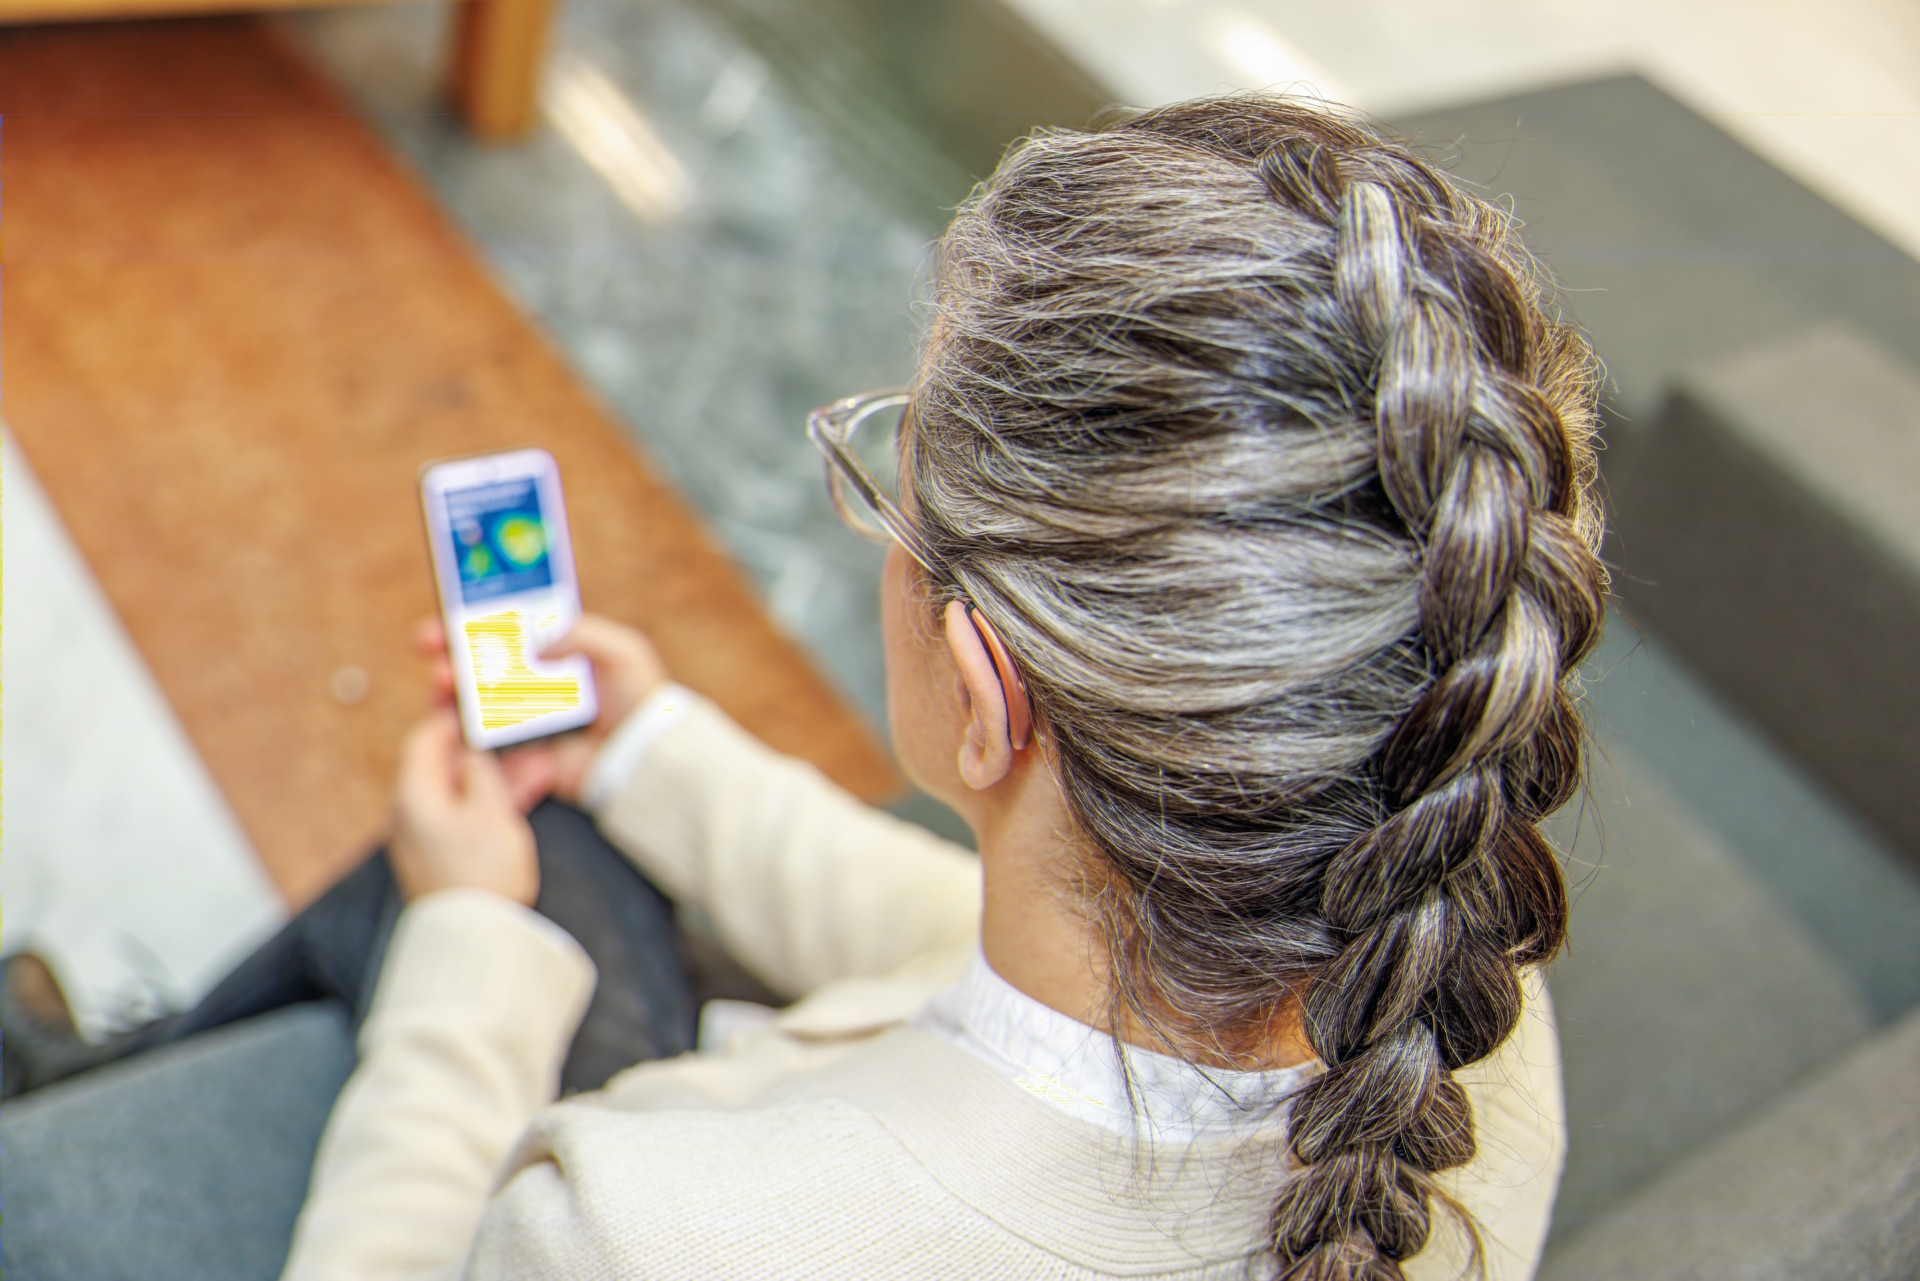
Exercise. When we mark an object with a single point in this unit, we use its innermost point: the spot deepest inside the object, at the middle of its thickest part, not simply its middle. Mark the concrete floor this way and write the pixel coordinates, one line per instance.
(717, 248)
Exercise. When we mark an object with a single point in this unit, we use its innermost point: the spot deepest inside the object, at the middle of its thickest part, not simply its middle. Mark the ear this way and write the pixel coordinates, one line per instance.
(998, 718)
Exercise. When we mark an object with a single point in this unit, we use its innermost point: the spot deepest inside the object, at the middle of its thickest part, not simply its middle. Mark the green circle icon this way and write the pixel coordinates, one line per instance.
(522, 541)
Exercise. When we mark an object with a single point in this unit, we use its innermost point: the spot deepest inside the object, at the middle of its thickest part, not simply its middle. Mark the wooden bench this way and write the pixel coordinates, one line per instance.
(495, 48)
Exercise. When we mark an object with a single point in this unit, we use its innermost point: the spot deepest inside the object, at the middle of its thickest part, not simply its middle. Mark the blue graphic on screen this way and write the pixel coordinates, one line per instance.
(499, 539)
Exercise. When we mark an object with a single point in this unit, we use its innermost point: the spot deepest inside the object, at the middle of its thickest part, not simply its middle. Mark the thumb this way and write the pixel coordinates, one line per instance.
(427, 758)
(483, 782)
(596, 637)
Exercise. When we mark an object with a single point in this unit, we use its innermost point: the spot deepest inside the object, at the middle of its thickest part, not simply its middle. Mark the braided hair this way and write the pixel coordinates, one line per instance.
(1254, 434)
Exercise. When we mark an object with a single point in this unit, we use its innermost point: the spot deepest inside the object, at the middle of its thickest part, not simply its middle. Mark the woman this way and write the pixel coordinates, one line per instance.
(1244, 555)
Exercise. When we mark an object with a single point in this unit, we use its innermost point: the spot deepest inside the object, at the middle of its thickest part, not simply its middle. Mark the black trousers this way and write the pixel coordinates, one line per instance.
(189, 1157)
(643, 1007)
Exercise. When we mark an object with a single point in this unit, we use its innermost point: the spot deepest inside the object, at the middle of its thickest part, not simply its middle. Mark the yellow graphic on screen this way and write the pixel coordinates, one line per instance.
(510, 691)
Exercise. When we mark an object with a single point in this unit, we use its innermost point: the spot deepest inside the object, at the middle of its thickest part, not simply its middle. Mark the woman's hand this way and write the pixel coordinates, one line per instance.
(626, 669)
(456, 823)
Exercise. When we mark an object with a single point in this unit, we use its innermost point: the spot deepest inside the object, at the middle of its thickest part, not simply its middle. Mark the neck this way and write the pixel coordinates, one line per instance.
(1037, 933)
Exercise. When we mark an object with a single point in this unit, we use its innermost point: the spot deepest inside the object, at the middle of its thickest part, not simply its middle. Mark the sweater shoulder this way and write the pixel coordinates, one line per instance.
(902, 1156)
(800, 1188)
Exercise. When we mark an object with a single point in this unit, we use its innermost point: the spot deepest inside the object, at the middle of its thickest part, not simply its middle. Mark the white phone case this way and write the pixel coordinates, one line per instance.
(503, 562)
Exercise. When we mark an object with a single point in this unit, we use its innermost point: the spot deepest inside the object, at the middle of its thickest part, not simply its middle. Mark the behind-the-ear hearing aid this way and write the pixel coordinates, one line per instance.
(1012, 689)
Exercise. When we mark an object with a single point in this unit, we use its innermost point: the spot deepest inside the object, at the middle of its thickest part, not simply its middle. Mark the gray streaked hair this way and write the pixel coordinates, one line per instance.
(1254, 435)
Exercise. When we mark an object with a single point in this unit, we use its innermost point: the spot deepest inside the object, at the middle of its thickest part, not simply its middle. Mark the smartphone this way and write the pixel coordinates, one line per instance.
(497, 527)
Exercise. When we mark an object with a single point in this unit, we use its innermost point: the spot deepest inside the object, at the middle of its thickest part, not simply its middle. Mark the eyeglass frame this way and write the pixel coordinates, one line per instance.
(830, 428)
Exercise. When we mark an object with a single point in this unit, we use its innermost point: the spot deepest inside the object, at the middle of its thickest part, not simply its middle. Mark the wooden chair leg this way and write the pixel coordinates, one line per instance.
(498, 47)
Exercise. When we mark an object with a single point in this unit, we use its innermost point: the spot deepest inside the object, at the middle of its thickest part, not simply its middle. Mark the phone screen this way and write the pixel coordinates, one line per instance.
(498, 528)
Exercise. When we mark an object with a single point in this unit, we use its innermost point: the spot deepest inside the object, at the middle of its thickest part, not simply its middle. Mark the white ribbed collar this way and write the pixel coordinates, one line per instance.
(1077, 1068)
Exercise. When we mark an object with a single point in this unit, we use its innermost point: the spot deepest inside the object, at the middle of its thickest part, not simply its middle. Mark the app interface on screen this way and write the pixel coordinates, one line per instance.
(500, 548)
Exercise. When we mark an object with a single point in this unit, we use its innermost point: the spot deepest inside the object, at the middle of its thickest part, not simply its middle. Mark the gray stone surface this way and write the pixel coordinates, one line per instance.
(1771, 522)
(1831, 408)
(1687, 997)
(1823, 1185)
(1733, 927)
(967, 76)
(1675, 243)
(1852, 894)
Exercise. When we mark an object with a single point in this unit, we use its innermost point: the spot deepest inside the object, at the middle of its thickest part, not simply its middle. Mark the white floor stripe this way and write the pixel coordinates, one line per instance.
(119, 860)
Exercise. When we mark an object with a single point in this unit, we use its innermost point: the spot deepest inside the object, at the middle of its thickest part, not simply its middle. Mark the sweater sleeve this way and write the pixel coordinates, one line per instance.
(477, 1002)
(804, 883)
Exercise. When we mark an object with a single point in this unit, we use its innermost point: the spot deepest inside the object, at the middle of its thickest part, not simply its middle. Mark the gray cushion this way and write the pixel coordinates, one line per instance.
(1824, 1185)
(186, 1163)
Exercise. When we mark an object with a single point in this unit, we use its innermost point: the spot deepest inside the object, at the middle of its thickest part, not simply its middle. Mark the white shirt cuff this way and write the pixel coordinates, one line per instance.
(627, 747)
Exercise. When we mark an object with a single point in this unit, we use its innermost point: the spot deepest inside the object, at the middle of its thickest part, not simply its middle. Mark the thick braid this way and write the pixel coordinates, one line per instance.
(1250, 433)
(1437, 906)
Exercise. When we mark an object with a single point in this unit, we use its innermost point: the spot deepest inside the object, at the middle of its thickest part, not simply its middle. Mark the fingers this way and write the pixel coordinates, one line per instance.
(440, 679)
(482, 782)
(430, 636)
(530, 773)
(431, 742)
(428, 758)
(600, 639)
(430, 640)
(455, 822)
(626, 667)
(437, 771)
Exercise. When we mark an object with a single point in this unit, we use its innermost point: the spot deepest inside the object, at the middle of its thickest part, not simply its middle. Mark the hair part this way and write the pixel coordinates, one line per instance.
(1252, 433)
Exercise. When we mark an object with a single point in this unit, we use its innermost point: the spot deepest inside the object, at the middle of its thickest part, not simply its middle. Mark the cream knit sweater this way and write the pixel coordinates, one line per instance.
(837, 1142)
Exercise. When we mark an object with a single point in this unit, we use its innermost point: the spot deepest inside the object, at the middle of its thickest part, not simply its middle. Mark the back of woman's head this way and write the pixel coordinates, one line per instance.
(1252, 434)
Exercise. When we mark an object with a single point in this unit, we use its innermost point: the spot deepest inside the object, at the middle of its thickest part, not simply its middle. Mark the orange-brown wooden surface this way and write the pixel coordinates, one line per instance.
(499, 47)
(233, 330)
(12, 11)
